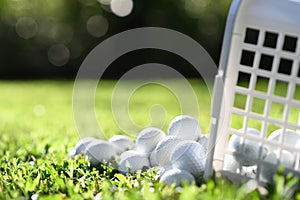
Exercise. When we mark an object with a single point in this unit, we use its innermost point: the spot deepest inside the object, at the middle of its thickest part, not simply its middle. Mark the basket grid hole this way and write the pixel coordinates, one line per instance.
(270, 40)
(297, 92)
(258, 106)
(266, 62)
(285, 66)
(271, 127)
(251, 36)
(276, 111)
(290, 43)
(262, 84)
(243, 79)
(255, 123)
(281, 88)
(294, 115)
(236, 121)
(247, 58)
(240, 101)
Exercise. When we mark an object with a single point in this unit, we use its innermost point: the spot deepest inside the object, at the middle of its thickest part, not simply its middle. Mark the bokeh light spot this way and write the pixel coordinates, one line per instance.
(97, 26)
(39, 110)
(58, 55)
(121, 8)
(26, 27)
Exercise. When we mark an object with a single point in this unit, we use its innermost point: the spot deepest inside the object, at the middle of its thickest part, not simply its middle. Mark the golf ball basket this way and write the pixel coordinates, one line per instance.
(258, 82)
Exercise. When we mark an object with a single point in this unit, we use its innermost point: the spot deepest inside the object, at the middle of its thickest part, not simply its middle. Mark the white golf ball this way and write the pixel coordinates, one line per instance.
(203, 140)
(230, 163)
(189, 156)
(100, 151)
(297, 145)
(287, 160)
(81, 146)
(162, 170)
(148, 138)
(152, 158)
(177, 176)
(121, 143)
(249, 171)
(290, 137)
(246, 153)
(128, 153)
(185, 127)
(165, 148)
(297, 154)
(133, 163)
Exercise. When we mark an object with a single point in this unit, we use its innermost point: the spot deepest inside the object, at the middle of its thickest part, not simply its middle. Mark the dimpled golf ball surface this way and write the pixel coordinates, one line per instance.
(287, 160)
(128, 153)
(165, 148)
(290, 137)
(246, 152)
(177, 176)
(185, 127)
(148, 138)
(162, 170)
(121, 143)
(100, 151)
(81, 145)
(297, 154)
(133, 163)
(230, 163)
(152, 158)
(203, 140)
(189, 156)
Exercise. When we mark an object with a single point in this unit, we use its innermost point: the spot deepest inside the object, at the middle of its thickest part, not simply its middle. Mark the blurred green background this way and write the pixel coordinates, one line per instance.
(50, 38)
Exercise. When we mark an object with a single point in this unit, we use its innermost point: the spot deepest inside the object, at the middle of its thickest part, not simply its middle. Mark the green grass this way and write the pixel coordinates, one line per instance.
(37, 130)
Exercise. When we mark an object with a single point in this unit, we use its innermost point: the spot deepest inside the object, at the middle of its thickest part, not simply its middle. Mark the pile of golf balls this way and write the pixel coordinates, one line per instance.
(180, 155)
(246, 152)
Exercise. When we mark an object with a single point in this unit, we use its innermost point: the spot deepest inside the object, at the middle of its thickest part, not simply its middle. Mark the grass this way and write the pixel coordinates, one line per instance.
(37, 130)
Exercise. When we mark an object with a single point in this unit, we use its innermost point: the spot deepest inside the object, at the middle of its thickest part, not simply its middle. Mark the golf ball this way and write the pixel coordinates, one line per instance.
(287, 160)
(81, 146)
(249, 171)
(290, 137)
(165, 148)
(246, 153)
(185, 127)
(152, 158)
(162, 170)
(100, 151)
(189, 156)
(230, 164)
(134, 163)
(203, 140)
(177, 176)
(148, 138)
(128, 153)
(297, 154)
(121, 143)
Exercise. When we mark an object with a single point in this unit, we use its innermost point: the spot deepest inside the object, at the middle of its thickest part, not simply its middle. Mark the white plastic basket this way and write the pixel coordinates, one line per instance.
(259, 71)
